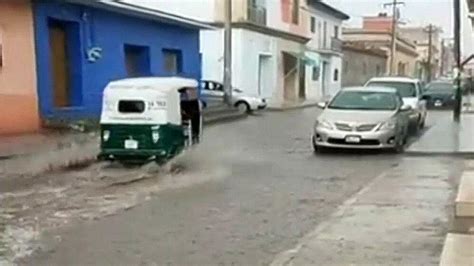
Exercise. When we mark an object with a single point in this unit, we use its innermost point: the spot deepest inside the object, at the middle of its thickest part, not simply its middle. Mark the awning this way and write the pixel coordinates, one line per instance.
(309, 58)
(312, 59)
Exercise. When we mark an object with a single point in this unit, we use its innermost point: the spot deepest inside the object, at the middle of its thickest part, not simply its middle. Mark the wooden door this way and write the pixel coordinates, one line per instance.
(59, 65)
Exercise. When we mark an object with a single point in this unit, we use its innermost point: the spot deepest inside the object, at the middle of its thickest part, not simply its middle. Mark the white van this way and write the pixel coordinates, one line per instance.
(411, 91)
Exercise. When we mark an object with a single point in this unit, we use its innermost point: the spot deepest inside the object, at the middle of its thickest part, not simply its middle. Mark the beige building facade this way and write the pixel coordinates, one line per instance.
(406, 55)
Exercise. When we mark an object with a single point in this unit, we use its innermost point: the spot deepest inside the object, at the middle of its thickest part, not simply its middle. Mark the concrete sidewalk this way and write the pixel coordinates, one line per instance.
(447, 137)
(19, 145)
(401, 218)
(38, 153)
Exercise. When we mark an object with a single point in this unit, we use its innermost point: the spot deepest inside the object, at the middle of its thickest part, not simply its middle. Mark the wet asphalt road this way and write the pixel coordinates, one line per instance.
(257, 189)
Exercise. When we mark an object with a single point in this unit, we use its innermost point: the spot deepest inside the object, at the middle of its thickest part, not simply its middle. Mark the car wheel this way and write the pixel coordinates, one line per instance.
(400, 147)
(413, 127)
(422, 124)
(243, 107)
(406, 137)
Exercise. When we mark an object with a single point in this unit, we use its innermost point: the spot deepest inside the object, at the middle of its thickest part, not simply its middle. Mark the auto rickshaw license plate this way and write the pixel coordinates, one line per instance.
(131, 144)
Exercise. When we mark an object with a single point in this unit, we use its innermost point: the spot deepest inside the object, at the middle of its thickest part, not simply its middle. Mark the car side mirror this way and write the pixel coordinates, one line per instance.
(425, 97)
(405, 108)
(322, 105)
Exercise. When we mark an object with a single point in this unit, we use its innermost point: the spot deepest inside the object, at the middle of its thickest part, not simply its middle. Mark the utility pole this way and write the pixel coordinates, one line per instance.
(443, 54)
(393, 42)
(430, 31)
(228, 52)
(457, 55)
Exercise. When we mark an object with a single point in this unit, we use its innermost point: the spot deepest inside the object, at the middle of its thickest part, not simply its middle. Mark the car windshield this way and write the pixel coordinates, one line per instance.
(364, 100)
(406, 89)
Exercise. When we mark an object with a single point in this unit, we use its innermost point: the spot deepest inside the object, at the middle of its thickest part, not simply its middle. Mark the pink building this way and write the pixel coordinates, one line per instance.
(382, 22)
(18, 97)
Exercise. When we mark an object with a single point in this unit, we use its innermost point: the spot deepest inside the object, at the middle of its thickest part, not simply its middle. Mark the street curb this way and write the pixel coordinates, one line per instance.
(225, 119)
(467, 154)
(83, 160)
(289, 108)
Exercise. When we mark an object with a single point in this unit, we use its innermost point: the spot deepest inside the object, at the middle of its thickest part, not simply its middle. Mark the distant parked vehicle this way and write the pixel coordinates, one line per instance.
(440, 94)
(411, 91)
(213, 92)
(362, 118)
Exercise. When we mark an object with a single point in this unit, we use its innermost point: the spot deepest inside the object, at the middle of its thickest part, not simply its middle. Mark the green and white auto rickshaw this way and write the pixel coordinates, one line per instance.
(147, 119)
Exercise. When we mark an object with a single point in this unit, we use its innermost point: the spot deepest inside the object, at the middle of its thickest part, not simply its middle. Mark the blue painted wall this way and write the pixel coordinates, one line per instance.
(110, 32)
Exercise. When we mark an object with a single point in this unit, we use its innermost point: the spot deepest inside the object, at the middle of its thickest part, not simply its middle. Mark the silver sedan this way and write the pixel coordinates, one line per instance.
(362, 118)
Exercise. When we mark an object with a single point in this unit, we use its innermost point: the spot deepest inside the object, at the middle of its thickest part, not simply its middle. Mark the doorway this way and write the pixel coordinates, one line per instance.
(65, 58)
(264, 76)
(302, 83)
(290, 77)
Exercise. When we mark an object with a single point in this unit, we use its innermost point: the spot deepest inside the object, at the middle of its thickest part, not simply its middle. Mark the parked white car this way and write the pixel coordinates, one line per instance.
(213, 91)
(411, 91)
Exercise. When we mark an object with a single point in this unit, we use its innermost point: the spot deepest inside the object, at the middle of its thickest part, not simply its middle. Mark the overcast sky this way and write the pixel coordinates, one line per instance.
(415, 12)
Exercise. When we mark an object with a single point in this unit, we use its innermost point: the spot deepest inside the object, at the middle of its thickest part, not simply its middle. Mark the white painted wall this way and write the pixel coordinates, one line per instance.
(203, 10)
(316, 41)
(212, 51)
(274, 15)
(246, 56)
(335, 86)
(246, 48)
(313, 87)
(314, 90)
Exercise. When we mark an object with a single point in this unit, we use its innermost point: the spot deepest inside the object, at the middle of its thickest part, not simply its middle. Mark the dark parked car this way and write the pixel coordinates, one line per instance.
(440, 94)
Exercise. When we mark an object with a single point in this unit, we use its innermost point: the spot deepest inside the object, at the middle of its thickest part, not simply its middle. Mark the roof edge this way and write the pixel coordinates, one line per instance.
(328, 9)
(119, 6)
(365, 50)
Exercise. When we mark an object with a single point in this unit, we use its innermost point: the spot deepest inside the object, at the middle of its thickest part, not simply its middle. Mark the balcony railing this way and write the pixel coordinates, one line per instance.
(257, 15)
(336, 44)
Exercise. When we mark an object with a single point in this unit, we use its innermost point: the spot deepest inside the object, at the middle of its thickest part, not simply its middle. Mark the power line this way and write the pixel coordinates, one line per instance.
(395, 18)
(430, 32)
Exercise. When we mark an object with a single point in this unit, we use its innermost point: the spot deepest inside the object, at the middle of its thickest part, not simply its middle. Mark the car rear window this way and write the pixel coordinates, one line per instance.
(440, 88)
(405, 89)
(130, 106)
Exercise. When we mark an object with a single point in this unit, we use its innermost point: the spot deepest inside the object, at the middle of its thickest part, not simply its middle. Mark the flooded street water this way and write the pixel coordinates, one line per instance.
(250, 191)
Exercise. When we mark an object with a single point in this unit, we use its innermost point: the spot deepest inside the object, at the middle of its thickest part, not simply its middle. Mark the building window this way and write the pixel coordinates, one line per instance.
(336, 32)
(315, 74)
(364, 68)
(401, 69)
(137, 60)
(320, 38)
(172, 61)
(257, 12)
(313, 24)
(336, 74)
(378, 70)
(296, 12)
(325, 33)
